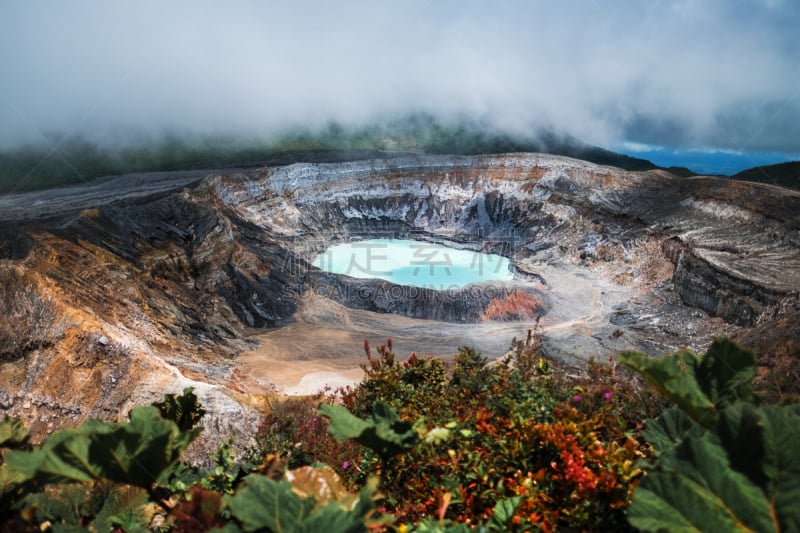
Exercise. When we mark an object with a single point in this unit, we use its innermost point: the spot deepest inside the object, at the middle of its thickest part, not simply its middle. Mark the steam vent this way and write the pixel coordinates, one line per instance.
(116, 292)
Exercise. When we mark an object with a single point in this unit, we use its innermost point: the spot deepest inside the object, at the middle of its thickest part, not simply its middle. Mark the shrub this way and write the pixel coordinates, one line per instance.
(511, 446)
(418, 384)
(489, 434)
(724, 460)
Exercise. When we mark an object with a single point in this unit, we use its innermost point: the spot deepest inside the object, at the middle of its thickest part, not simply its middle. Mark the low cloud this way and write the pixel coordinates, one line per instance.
(682, 74)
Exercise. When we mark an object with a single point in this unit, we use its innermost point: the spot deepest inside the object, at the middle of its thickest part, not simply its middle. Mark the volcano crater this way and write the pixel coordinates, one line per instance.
(211, 283)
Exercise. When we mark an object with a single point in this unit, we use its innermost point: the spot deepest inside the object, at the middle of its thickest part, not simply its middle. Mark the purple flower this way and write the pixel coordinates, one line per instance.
(607, 395)
(345, 465)
(576, 398)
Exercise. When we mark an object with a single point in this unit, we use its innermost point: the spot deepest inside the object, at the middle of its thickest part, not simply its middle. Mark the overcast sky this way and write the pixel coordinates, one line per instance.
(682, 74)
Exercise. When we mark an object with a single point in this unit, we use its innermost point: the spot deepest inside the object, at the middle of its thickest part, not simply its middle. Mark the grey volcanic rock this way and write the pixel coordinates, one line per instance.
(464, 305)
(175, 273)
(736, 245)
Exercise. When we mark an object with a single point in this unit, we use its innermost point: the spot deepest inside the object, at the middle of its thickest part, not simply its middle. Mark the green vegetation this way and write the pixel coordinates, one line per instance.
(385, 433)
(76, 160)
(782, 174)
(723, 461)
(555, 453)
(517, 445)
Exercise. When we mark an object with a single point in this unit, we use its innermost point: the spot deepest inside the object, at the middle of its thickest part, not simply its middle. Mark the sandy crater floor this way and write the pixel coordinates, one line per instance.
(324, 346)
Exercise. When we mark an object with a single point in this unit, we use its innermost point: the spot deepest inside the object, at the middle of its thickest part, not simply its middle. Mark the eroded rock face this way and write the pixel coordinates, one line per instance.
(115, 299)
(736, 246)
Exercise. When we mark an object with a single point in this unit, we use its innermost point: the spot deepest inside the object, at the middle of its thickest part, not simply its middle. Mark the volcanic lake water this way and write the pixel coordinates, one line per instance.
(414, 263)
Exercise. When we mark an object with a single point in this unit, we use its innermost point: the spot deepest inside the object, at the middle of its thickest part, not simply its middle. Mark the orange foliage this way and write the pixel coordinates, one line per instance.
(517, 305)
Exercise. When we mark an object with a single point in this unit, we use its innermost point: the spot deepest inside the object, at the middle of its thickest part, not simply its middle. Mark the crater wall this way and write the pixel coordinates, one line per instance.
(144, 287)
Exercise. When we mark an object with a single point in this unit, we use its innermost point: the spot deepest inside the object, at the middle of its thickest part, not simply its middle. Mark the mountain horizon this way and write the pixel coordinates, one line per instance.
(62, 159)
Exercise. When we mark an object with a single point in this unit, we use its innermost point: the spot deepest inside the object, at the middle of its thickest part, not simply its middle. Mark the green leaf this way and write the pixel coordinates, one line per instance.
(693, 488)
(392, 435)
(264, 503)
(332, 518)
(674, 377)
(63, 457)
(185, 410)
(68, 528)
(130, 521)
(740, 471)
(744, 476)
(13, 434)
(726, 372)
(669, 429)
(742, 433)
(121, 501)
(385, 433)
(783, 463)
(344, 424)
(699, 386)
(503, 512)
(13, 486)
(137, 452)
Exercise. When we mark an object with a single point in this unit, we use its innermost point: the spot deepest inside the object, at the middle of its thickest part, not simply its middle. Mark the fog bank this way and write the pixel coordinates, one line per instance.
(704, 74)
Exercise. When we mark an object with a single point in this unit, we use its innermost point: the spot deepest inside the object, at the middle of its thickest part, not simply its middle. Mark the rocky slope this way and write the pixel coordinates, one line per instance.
(119, 292)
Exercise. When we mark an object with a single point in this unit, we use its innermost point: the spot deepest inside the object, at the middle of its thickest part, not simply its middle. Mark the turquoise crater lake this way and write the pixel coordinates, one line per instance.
(414, 263)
